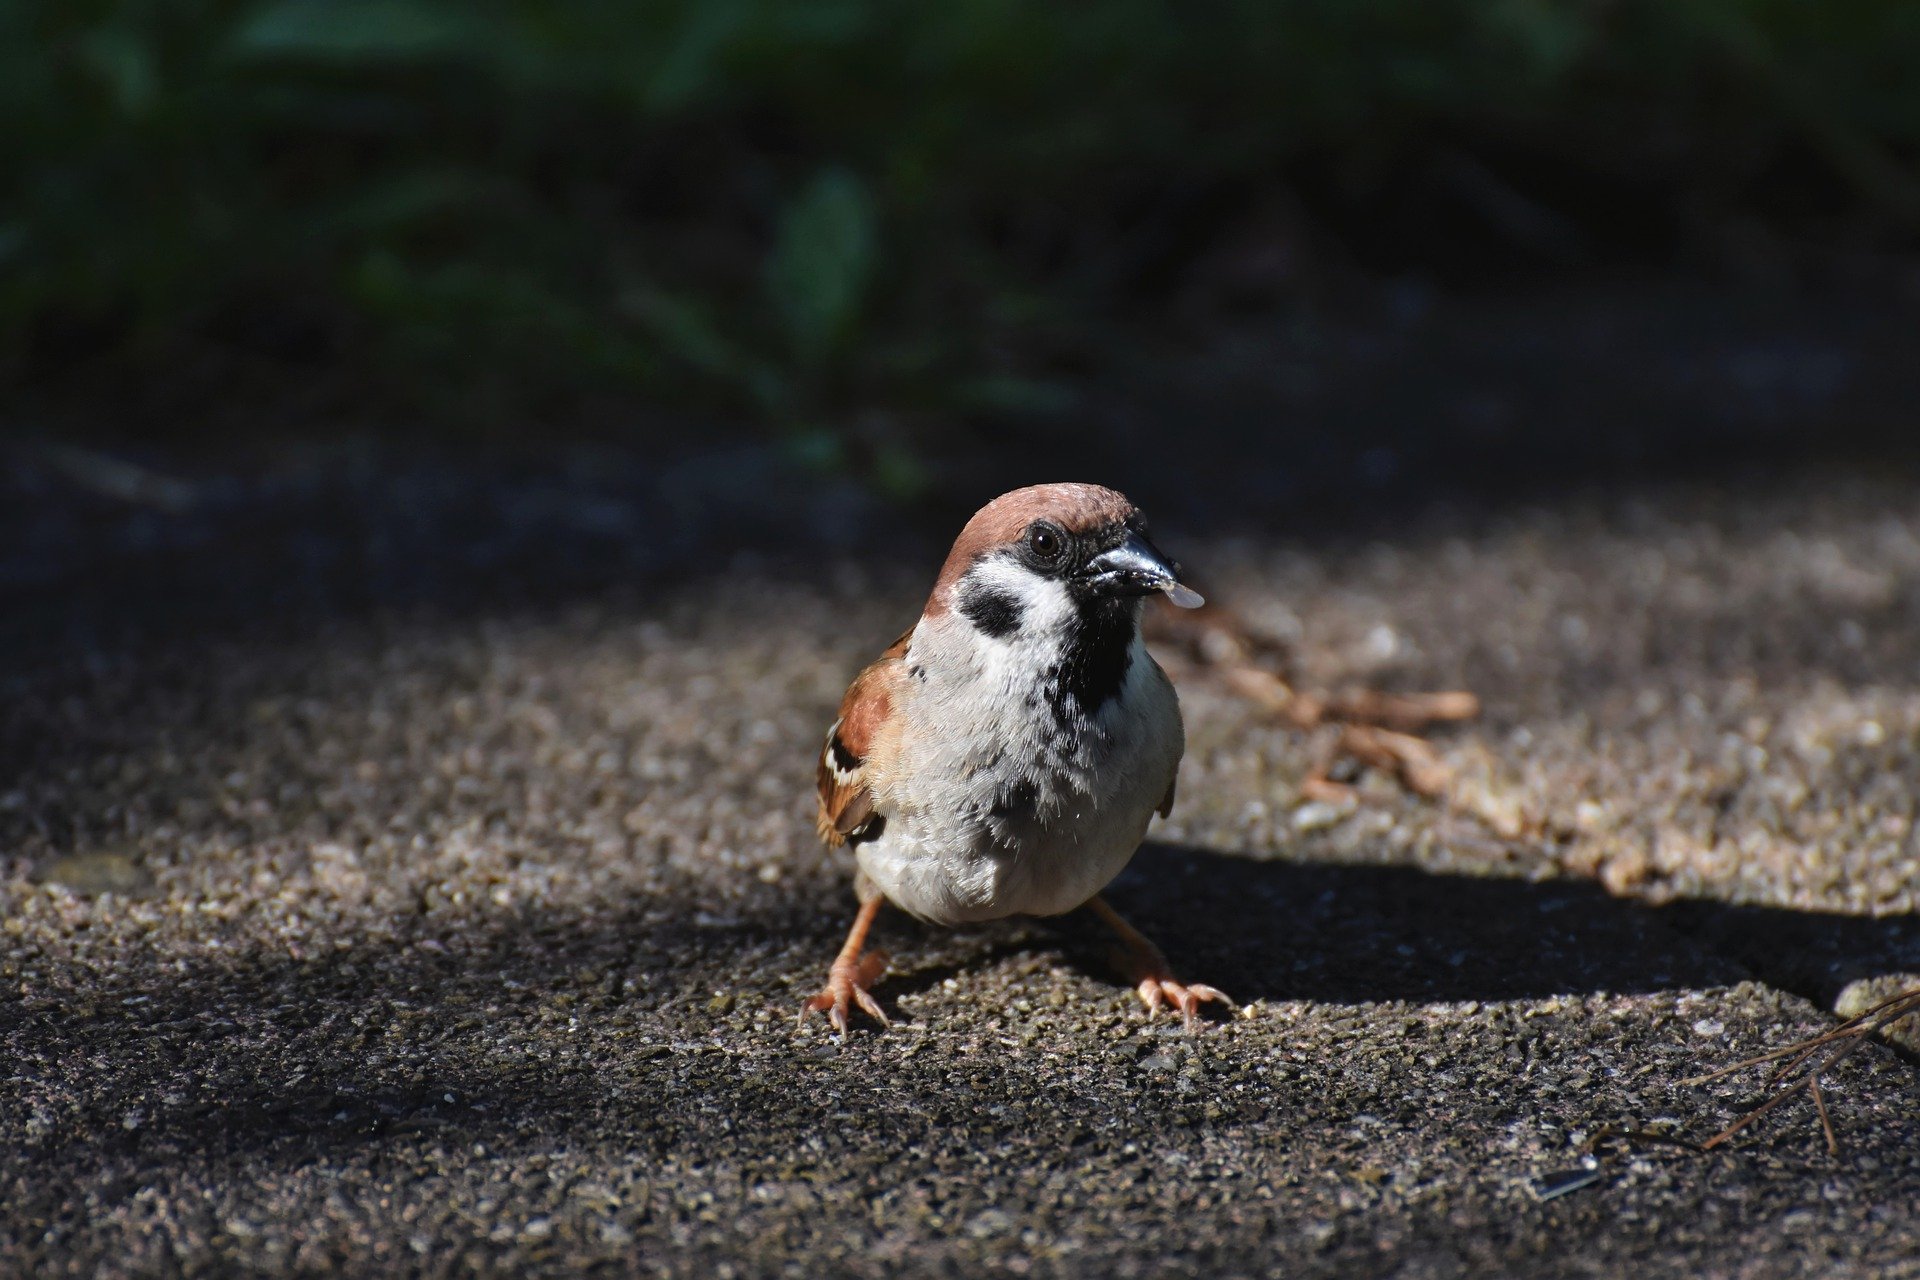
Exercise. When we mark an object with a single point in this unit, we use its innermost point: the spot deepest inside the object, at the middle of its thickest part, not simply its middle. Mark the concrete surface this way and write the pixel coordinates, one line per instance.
(369, 938)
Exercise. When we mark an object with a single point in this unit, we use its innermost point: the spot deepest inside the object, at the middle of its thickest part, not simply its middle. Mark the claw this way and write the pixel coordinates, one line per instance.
(1146, 967)
(846, 988)
(1186, 997)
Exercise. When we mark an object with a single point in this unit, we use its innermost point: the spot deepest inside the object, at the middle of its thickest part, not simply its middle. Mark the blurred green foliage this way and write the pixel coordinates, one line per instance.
(484, 209)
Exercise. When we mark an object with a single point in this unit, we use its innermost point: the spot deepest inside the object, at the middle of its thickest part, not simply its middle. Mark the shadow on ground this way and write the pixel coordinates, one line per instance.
(372, 1040)
(1348, 934)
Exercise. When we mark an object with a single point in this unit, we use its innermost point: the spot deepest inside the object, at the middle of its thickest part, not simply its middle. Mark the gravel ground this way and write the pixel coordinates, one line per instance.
(467, 936)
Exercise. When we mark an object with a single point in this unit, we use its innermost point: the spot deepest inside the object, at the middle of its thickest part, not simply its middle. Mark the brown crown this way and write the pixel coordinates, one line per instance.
(1076, 508)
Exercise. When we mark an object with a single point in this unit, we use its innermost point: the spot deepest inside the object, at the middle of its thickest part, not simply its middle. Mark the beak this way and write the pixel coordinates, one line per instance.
(1136, 568)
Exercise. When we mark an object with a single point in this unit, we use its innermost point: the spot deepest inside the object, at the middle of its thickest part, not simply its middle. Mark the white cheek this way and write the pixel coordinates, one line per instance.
(1047, 609)
(1003, 669)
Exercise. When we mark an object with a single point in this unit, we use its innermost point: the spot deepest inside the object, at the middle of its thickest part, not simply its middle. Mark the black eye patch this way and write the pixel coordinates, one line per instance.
(995, 611)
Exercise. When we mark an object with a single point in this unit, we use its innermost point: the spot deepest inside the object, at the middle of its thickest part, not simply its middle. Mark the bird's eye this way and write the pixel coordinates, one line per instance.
(1043, 541)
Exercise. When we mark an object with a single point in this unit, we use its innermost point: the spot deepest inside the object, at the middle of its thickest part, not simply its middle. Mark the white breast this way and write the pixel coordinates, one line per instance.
(997, 808)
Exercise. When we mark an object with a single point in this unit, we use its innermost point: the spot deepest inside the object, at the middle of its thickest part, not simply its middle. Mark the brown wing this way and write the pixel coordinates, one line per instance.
(846, 801)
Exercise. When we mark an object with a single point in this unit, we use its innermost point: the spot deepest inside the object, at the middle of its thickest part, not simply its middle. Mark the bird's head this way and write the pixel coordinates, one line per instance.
(1051, 555)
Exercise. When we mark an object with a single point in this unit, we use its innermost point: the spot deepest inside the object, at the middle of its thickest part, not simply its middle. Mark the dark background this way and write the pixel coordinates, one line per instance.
(1260, 262)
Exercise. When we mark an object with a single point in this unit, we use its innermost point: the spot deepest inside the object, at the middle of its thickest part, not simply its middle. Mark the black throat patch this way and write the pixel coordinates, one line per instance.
(1099, 651)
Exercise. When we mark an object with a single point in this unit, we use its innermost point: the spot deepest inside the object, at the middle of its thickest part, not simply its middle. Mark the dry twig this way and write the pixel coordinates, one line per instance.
(1796, 1073)
(1635, 1138)
(1376, 729)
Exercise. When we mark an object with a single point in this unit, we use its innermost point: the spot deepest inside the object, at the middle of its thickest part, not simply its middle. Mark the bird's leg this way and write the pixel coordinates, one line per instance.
(852, 974)
(1148, 970)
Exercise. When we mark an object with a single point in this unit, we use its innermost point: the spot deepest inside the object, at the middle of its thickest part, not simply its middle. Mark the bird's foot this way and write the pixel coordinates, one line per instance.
(1157, 988)
(1147, 969)
(848, 984)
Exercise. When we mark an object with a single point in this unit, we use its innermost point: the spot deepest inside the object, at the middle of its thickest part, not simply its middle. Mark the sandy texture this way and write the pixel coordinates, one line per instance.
(376, 937)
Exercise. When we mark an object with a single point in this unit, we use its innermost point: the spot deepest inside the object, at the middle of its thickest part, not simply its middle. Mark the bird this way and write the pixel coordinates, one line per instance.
(1005, 755)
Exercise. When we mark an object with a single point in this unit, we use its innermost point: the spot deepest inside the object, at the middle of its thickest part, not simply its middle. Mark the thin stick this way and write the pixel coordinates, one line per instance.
(1643, 1136)
(1784, 1083)
(1761, 1110)
(1826, 1121)
(1801, 1050)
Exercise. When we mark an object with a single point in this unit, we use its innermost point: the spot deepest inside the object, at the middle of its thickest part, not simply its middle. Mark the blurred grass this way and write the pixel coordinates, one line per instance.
(486, 213)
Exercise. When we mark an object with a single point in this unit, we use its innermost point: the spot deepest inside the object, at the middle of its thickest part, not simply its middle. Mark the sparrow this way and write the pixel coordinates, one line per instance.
(1005, 755)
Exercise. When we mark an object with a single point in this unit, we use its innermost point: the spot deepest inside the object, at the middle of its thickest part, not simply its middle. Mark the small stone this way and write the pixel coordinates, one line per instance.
(1859, 996)
(89, 874)
(1318, 814)
(989, 1222)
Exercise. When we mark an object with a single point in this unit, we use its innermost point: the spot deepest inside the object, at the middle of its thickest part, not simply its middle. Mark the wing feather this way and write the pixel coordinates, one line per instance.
(846, 796)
